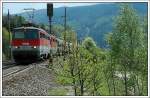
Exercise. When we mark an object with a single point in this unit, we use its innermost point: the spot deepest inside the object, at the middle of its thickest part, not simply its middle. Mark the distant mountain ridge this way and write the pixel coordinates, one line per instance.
(94, 20)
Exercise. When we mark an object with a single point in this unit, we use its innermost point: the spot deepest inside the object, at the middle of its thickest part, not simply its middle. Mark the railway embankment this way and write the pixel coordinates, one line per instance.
(32, 80)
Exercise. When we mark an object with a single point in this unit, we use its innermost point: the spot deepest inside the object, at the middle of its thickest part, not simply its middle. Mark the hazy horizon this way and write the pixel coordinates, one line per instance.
(16, 8)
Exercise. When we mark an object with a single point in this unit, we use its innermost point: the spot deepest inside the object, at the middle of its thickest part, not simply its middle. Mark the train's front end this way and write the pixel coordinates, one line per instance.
(25, 44)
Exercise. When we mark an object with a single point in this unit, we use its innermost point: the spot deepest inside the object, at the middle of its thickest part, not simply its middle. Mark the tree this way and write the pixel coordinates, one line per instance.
(143, 55)
(89, 44)
(83, 68)
(110, 68)
(126, 43)
(6, 42)
(15, 21)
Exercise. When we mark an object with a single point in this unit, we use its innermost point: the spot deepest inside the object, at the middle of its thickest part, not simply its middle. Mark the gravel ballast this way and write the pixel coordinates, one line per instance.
(36, 81)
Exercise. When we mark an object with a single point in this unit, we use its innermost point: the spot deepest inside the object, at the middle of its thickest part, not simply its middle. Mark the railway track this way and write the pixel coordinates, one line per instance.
(11, 68)
(15, 71)
(8, 64)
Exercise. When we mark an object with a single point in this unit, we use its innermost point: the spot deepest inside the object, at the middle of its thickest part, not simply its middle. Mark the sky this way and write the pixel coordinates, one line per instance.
(18, 7)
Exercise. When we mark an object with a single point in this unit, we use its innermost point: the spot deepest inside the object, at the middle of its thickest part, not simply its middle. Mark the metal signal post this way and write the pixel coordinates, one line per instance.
(50, 14)
(50, 25)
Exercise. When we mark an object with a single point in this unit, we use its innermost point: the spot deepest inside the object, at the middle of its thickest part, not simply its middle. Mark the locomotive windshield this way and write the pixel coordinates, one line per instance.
(25, 34)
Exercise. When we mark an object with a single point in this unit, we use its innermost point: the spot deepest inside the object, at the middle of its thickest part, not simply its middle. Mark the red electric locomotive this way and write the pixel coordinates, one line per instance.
(31, 43)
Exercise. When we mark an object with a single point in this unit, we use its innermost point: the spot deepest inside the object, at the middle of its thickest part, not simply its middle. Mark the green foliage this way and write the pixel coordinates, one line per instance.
(119, 70)
(84, 70)
(15, 21)
(89, 43)
(127, 45)
(57, 91)
(6, 42)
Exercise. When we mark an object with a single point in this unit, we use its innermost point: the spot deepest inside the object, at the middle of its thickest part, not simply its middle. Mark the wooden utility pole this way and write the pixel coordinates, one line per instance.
(9, 35)
(65, 28)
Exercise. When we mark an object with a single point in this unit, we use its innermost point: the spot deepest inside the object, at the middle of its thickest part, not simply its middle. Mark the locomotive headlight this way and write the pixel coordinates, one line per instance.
(34, 47)
(16, 46)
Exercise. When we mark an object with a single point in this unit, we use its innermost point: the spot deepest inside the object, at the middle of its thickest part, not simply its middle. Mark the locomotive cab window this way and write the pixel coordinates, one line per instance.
(25, 34)
(31, 34)
(19, 35)
(42, 35)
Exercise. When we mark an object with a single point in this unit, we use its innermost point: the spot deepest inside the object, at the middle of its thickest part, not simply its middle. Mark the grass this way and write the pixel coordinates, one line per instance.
(57, 91)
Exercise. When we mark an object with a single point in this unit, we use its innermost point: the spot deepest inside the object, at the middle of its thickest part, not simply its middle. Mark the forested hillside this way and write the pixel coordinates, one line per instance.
(95, 21)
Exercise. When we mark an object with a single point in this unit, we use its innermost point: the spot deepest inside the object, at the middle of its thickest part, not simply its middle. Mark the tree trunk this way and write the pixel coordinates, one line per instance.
(107, 80)
(82, 87)
(114, 88)
(75, 88)
(125, 83)
(113, 80)
(138, 86)
(74, 85)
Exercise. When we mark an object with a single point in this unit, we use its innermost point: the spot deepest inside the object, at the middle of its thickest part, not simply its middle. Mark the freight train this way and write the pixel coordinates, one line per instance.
(34, 43)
